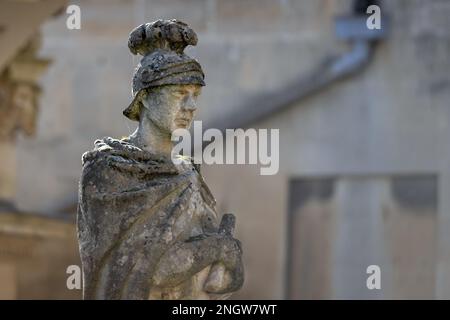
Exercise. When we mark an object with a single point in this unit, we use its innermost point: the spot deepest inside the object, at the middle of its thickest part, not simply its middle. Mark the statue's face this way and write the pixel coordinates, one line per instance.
(18, 109)
(24, 100)
(171, 107)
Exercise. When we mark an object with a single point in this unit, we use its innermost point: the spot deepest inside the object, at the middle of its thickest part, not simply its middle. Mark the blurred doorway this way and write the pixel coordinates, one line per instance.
(338, 226)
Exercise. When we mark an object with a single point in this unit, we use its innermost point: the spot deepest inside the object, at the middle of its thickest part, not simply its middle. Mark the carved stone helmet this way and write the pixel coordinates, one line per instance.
(161, 43)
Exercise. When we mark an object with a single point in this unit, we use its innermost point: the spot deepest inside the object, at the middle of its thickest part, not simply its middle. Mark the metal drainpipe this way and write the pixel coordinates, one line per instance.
(353, 61)
(351, 28)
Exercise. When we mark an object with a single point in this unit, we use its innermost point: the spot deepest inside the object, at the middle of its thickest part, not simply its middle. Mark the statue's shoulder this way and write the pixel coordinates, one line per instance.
(108, 147)
(112, 155)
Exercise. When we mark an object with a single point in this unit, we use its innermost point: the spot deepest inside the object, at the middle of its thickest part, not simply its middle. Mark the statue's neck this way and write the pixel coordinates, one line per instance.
(151, 138)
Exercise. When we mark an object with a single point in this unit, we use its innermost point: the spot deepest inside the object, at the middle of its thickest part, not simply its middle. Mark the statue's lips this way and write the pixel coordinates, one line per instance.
(183, 121)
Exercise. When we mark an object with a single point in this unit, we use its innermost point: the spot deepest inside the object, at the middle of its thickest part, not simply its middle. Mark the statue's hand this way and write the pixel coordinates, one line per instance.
(219, 251)
(227, 274)
(186, 258)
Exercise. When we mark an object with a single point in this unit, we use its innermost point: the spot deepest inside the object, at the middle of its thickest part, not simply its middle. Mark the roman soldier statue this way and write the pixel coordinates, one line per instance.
(147, 225)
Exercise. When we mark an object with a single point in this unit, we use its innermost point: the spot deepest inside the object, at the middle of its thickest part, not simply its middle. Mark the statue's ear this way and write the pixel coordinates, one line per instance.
(143, 94)
(140, 109)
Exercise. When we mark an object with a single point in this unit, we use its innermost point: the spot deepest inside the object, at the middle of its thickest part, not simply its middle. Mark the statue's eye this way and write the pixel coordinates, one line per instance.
(179, 93)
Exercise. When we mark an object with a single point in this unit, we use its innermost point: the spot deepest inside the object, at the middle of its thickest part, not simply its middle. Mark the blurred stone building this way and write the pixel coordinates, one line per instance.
(35, 247)
(364, 161)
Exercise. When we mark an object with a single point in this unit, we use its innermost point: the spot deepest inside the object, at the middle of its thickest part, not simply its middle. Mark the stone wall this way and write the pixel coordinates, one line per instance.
(392, 119)
(245, 48)
(34, 256)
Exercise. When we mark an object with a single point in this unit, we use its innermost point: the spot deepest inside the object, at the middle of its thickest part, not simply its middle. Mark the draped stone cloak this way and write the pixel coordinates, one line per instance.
(133, 206)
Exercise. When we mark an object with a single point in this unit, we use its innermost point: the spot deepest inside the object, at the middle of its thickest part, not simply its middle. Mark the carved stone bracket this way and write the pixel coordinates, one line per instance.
(19, 92)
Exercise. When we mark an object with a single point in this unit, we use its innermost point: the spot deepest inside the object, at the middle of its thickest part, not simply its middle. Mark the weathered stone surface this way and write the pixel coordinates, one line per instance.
(147, 227)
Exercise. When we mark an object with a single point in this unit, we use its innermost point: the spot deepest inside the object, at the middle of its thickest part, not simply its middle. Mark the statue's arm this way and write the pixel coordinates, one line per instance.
(219, 250)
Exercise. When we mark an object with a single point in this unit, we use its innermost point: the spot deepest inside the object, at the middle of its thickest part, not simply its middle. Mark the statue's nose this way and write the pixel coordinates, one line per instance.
(190, 104)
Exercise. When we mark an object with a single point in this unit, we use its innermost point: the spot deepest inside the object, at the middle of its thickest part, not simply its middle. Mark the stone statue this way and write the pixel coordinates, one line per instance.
(147, 227)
